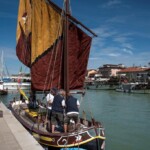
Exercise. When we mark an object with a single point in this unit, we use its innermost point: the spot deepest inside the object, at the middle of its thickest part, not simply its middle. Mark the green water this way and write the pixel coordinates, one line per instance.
(126, 117)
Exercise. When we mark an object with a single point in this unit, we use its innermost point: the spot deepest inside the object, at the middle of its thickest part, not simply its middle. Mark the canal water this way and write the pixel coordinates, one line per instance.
(125, 117)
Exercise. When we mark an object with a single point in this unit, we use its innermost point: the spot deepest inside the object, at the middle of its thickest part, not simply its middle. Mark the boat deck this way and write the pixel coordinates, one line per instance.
(34, 120)
(40, 125)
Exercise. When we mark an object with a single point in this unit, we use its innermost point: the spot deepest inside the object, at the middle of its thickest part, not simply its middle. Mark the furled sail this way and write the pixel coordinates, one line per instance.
(40, 41)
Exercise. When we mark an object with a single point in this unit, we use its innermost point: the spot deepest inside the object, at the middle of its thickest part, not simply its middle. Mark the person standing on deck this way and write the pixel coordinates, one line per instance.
(72, 111)
(58, 109)
(50, 98)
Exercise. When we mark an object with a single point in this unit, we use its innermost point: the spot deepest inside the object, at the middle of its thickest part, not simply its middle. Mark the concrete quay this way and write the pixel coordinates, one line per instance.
(13, 136)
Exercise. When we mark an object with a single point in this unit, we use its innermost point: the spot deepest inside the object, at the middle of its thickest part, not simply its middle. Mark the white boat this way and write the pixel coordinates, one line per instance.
(140, 88)
(15, 85)
(9, 83)
(2, 90)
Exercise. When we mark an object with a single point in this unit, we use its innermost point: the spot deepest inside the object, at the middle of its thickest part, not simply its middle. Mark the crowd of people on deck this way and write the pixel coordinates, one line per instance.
(62, 108)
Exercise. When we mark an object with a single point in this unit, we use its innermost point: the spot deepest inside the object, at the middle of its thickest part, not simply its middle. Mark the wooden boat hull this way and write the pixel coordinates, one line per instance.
(79, 138)
(69, 140)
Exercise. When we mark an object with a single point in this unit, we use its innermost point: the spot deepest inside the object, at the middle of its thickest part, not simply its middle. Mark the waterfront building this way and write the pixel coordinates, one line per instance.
(109, 70)
(141, 74)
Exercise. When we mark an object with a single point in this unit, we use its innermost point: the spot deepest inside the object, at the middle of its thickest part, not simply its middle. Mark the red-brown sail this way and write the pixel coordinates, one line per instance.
(40, 46)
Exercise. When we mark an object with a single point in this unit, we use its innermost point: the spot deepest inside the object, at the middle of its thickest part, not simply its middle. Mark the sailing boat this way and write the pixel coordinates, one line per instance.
(56, 50)
(20, 81)
(7, 83)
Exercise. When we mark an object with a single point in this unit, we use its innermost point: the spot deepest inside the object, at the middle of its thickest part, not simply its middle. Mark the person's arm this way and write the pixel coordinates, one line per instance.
(63, 103)
(50, 98)
(78, 103)
(64, 106)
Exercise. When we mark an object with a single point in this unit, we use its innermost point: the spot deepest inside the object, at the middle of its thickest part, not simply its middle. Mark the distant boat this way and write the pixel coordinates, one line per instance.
(10, 85)
(107, 84)
(15, 85)
(7, 83)
(3, 91)
(100, 86)
(139, 88)
(55, 47)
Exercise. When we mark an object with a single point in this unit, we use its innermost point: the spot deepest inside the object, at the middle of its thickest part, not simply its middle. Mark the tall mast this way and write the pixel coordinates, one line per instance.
(2, 65)
(66, 68)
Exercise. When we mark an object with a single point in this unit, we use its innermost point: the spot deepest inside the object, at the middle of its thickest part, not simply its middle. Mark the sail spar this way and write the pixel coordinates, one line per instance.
(40, 39)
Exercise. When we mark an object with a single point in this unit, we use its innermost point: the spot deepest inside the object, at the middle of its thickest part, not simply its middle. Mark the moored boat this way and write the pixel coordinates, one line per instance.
(139, 88)
(107, 84)
(3, 91)
(14, 85)
(100, 86)
(86, 133)
(56, 50)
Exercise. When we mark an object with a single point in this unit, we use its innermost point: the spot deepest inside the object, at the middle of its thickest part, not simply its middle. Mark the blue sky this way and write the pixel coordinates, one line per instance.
(122, 26)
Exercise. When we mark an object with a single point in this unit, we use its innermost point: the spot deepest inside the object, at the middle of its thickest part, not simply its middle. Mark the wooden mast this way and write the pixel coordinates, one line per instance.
(66, 68)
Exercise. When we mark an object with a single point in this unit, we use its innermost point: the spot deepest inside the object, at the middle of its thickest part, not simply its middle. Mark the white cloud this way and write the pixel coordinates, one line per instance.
(128, 51)
(93, 58)
(139, 59)
(111, 42)
(115, 47)
(114, 54)
(116, 19)
(111, 3)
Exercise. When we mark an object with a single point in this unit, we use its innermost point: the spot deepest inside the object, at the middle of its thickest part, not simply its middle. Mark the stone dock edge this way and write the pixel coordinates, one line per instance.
(13, 135)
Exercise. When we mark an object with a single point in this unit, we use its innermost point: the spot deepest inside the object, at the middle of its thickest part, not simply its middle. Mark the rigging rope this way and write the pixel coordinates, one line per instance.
(89, 107)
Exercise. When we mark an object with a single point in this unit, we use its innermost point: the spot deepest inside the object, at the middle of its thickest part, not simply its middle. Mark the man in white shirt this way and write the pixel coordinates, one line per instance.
(50, 98)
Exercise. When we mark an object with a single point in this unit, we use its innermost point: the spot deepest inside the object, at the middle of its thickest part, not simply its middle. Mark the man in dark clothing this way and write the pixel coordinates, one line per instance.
(32, 100)
(72, 111)
(57, 109)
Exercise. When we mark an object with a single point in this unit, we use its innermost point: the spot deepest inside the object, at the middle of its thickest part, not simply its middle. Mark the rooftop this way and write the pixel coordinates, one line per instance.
(134, 69)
